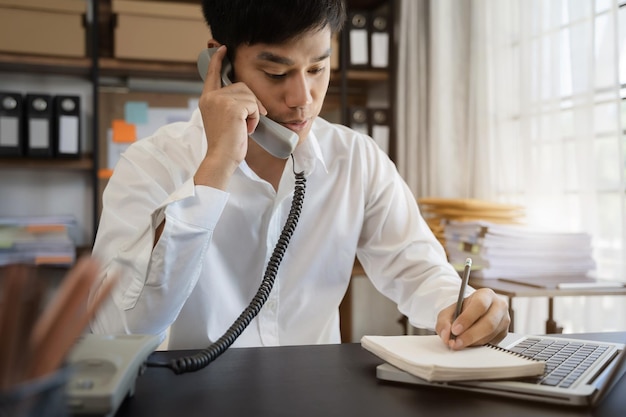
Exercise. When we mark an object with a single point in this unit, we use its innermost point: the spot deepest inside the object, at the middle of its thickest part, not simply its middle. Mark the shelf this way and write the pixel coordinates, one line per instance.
(151, 69)
(84, 163)
(45, 64)
(132, 68)
(367, 75)
(189, 71)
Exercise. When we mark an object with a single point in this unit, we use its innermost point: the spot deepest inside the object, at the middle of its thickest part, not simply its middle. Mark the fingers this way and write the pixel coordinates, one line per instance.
(231, 108)
(444, 323)
(229, 115)
(213, 78)
(484, 318)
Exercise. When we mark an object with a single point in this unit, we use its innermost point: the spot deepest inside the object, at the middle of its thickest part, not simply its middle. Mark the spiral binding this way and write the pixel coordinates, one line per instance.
(209, 354)
(519, 355)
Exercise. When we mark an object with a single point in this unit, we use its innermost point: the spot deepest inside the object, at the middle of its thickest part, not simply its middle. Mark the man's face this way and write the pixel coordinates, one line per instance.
(289, 79)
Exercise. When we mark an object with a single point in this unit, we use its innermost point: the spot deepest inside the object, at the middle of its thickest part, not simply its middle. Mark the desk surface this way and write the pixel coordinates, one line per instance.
(323, 380)
(512, 289)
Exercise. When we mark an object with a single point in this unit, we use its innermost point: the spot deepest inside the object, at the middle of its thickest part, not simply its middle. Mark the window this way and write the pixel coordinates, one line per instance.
(561, 118)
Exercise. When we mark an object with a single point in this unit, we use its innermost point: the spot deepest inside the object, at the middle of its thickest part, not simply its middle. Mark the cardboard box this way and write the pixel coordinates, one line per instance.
(43, 27)
(158, 30)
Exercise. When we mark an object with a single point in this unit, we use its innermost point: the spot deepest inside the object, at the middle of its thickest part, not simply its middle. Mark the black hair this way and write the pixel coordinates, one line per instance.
(237, 22)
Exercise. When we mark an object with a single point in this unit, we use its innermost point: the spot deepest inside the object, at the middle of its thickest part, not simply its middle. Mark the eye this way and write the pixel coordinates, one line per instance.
(275, 76)
(317, 70)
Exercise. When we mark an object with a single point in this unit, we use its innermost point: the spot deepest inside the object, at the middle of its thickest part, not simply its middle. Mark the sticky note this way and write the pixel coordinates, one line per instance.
(105, 173)
(136, 112)
(124, 132)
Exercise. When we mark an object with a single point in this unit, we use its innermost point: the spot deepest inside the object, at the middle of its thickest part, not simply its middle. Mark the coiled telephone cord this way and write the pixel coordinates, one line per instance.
(209, 354)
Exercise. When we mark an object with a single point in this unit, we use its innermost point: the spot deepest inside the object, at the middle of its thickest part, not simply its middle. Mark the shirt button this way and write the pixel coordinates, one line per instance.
(271, 305)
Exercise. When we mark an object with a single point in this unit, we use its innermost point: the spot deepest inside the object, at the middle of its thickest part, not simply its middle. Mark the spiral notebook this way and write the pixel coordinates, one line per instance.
(427, 357)
(575, 371)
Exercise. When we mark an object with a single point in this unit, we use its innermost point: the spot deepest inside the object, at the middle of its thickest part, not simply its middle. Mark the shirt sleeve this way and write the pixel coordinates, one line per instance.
(153, 283)
(397, 249)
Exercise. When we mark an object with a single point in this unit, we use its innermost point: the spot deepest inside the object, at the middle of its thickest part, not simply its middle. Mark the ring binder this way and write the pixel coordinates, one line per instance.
(379, 128)
(358, 39)
(38, 126)
(66, 126)
(358, 119)
(380, 37)
(11, 122)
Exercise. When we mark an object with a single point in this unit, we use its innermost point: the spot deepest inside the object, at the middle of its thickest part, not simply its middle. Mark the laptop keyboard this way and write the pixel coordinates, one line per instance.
(565, 361)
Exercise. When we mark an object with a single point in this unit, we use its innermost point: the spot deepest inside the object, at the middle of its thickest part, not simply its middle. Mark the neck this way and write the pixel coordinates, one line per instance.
(265, 165)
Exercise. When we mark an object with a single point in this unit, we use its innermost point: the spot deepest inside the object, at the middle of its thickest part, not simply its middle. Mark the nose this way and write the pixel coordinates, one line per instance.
(298, 92)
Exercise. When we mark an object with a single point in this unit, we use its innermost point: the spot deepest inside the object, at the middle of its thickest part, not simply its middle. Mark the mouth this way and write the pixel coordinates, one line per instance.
(296, 125)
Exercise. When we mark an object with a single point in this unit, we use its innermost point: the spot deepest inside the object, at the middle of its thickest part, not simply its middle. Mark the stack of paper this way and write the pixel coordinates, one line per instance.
(514, 251)
(37, 240)
(439, 211)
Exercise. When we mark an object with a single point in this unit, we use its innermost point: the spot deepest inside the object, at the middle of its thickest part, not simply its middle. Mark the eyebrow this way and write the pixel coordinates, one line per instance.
(277, 59)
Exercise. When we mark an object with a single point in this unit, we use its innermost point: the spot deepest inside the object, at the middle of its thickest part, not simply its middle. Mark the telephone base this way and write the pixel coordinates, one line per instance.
(104, 371)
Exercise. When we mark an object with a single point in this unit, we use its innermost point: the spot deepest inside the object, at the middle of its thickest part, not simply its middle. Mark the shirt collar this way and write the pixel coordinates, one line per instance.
(308, 154)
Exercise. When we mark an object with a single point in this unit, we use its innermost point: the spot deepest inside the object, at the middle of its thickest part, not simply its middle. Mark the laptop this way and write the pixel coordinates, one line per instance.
(578, 372)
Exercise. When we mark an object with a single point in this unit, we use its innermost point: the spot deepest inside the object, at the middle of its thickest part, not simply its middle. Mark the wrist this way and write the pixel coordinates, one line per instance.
(215, 171)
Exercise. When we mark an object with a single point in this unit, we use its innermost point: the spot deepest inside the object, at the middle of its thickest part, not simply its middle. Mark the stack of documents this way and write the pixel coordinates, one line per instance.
(37, 240)
(514, 251)
(439, 211)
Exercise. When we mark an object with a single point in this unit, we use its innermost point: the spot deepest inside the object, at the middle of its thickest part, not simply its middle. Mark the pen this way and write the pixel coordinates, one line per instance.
(459, 301)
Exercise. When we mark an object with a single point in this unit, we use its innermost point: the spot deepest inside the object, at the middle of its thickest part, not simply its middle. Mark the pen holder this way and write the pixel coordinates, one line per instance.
(42, 397)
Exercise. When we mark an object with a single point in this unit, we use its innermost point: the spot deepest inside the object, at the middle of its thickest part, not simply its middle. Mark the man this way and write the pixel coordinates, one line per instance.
(192, 214)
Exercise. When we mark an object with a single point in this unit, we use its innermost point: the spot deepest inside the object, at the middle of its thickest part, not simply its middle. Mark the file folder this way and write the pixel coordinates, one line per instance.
(66, 126)
(358, 39)
(358, 119)
(380, 129)
(380, 37)
(39, 133)
(11, 124)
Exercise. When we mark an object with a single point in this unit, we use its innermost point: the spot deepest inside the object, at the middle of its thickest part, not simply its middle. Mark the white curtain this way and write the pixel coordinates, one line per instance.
(519, 101)
(442, 99)
(412, 145)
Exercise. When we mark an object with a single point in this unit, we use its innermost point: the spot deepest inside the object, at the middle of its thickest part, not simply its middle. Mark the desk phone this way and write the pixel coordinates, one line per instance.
(104, 370)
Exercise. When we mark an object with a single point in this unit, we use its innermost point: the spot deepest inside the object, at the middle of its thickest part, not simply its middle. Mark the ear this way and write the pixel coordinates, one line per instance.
(212, 43)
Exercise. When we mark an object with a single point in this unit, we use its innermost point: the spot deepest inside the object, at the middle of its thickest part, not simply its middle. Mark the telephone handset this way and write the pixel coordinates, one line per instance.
(274, 138)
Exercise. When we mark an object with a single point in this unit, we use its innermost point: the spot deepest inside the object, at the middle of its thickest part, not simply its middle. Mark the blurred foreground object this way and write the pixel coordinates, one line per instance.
(38, 335)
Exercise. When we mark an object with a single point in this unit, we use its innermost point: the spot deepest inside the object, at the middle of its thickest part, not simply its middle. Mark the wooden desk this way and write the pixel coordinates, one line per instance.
(324, 380)
(512, 290)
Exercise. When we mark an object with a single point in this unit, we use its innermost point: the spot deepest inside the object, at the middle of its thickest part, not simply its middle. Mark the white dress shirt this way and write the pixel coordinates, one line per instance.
(211, 256)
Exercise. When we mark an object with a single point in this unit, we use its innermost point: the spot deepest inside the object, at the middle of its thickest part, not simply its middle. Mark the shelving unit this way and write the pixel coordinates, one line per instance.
(348, 87)
(53, 186)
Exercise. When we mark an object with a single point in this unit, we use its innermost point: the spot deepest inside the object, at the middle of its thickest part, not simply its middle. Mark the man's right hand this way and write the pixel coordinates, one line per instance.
(229, 115)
